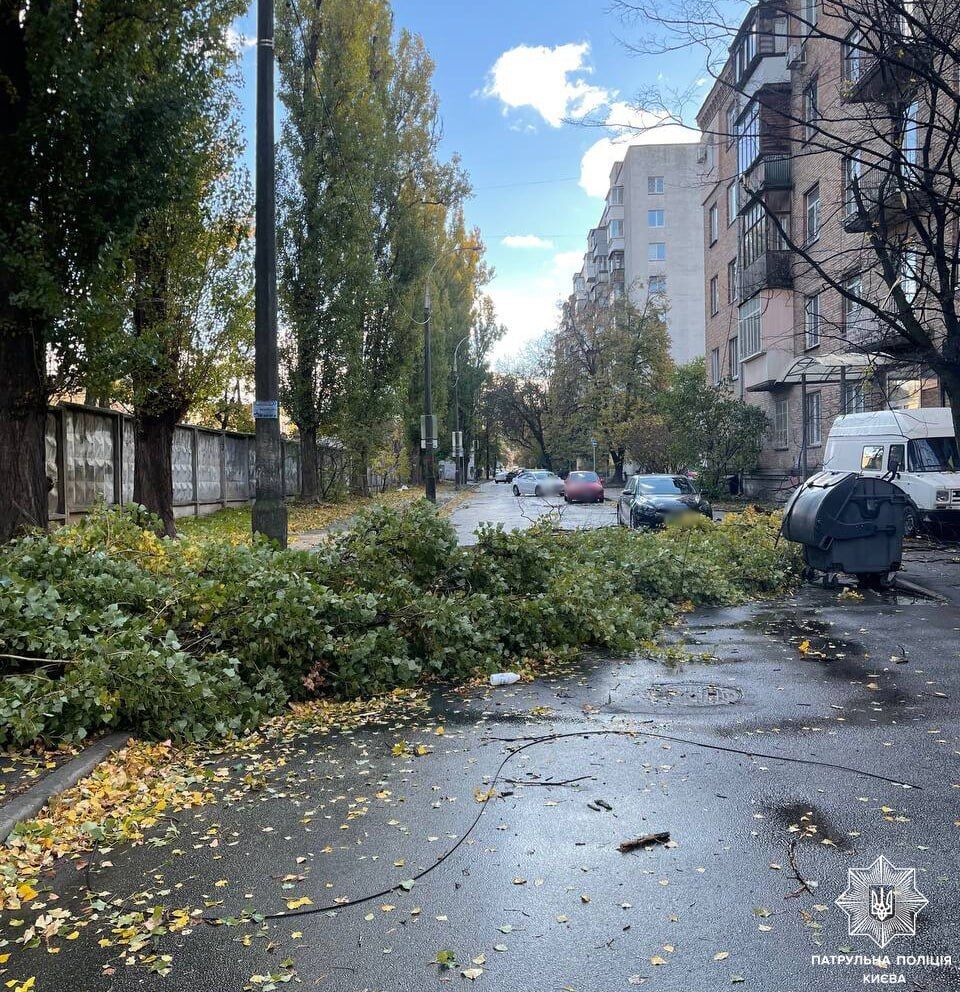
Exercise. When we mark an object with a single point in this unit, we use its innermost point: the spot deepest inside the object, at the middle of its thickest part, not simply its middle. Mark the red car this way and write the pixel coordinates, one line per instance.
(583, 487)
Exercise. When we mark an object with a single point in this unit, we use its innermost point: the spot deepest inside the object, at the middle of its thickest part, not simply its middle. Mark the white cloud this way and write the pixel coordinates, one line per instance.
(238, 41)
(526, 241)
(529, 306)
(544, 78)
(629, 126)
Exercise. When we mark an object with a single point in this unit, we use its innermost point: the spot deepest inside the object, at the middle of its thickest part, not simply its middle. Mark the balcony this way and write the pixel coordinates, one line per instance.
(772, 269)
(771, 172)
(874, 70)
(882, 199)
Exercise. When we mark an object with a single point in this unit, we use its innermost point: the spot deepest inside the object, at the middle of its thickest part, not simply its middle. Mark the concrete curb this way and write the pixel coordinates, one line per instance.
(29, 803)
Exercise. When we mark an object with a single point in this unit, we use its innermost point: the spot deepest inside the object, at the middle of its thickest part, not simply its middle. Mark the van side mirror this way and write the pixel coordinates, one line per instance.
(893, 467)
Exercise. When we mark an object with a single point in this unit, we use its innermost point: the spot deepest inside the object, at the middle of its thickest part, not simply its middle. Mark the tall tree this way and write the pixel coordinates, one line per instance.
(363, 207)
(615, 359)
(89, 97)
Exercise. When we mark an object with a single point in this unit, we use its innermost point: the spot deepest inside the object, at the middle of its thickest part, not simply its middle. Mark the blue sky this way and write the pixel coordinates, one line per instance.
(510, 74)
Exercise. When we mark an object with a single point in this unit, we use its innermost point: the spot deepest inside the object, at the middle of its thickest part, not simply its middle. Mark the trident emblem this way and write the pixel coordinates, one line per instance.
(881, 902)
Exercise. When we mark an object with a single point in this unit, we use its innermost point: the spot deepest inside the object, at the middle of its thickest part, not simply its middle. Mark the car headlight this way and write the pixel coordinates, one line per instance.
(943, 495)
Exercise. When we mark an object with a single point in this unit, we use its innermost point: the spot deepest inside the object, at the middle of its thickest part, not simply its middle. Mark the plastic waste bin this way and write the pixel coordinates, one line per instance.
(847, 523)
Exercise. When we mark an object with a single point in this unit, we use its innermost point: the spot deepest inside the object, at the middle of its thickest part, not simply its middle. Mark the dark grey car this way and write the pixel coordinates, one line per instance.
(651, 500)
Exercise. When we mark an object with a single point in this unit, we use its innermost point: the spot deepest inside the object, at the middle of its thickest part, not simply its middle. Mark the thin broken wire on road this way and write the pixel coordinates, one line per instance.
(512, 753)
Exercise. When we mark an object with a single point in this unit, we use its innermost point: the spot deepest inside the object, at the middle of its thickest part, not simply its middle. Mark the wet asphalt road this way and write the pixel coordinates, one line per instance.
(495, 503)
(538, 891)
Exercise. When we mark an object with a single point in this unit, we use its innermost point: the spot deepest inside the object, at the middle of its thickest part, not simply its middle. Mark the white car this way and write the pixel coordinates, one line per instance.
(502, 476)
(537, 482)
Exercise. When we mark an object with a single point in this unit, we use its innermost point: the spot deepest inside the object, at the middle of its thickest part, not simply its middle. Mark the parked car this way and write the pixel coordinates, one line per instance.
(537, 482)
(504, 476)
(651, 500)
(583, 487)
(918, 446)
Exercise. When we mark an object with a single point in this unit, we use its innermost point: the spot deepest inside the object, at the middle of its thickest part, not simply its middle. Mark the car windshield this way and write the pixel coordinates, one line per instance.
(934, 454)
(583, 477)
(665, 485)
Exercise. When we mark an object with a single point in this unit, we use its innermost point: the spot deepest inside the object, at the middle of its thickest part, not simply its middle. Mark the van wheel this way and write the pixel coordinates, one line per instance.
(911, 521)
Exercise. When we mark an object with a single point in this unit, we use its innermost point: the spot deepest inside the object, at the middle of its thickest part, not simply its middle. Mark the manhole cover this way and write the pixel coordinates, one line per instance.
(693, 693)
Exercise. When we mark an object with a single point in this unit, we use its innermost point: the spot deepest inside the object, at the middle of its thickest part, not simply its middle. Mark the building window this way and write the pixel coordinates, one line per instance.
(810, 113)
(778, 231)
(812, 419)
(733, 350)
(748, 137)
(654, 184)
(714, 224)
(851, 308)
(781, 422)
(749, 329)
(851, 183)
(752, 241)
(853, 56)
(732, 201)
(811, 205)
(715, 366)
(657, 284)
(811, 321)
(731, 124)
(810, 12)
(615, 229)
(853, 401)
(615, 199)
(732, 289)
(655, 218)
(909, 266)
(911, 142)
(657, 251)
(714, 296)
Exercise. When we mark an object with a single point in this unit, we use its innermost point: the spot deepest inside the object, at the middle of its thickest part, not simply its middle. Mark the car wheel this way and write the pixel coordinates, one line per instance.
(911, 521)
(566, 498)
(516, 491)
(537, 491)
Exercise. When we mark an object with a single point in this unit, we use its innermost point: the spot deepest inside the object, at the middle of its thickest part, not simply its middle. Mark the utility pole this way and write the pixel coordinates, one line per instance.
(269, 509)
(428, 423)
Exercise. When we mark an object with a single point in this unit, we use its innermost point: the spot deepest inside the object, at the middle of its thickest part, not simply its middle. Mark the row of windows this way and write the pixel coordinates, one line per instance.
(655, 218)
(852, 401)
(733, 358)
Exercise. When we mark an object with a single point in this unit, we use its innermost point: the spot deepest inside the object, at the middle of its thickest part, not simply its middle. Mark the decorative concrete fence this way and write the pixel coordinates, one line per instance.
(90, 458)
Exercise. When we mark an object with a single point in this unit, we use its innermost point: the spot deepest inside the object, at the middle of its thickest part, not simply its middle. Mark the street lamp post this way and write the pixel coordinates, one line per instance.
(269, 510)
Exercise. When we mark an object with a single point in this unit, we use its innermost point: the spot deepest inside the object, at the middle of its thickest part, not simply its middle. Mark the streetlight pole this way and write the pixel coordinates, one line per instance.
(269, 509)
(428, 429)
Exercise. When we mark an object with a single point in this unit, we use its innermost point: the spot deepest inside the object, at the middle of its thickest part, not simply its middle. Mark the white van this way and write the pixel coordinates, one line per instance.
(921, 444)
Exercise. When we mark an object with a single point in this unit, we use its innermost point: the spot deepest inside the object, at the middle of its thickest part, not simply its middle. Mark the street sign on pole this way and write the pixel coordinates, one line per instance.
(269, 510)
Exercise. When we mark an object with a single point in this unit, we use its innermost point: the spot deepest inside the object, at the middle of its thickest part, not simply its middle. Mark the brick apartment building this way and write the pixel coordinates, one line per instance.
(647, 241)
(783, 339)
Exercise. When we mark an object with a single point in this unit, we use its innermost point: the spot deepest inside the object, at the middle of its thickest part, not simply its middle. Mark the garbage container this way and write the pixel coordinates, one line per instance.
(847, 523)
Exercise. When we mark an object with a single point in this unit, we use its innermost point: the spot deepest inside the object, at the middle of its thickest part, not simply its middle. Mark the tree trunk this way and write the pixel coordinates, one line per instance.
(153, 465)
(23, 425)
(359, 484)
(617, 455)
(309, 464)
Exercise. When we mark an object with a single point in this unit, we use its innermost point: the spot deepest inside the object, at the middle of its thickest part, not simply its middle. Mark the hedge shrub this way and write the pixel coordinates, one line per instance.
(103, 625)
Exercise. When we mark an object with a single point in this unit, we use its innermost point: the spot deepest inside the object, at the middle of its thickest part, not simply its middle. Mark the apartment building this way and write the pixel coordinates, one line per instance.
(648, 241)
(775, 329)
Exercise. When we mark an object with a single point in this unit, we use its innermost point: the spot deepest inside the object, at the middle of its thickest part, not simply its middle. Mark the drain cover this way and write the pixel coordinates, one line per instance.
(693, 693)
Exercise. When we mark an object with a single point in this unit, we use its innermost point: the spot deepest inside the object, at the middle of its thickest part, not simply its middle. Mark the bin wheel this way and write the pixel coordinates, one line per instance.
(911, 521)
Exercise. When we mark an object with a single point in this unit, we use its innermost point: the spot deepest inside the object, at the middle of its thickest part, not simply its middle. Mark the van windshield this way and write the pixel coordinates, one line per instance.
(934, 454)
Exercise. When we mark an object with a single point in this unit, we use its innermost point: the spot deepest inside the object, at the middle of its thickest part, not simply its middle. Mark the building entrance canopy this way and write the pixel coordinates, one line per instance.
(821, 370)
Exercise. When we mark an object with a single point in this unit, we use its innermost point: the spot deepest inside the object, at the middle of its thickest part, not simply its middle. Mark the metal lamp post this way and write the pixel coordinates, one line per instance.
(428, 422)
(269, 509)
